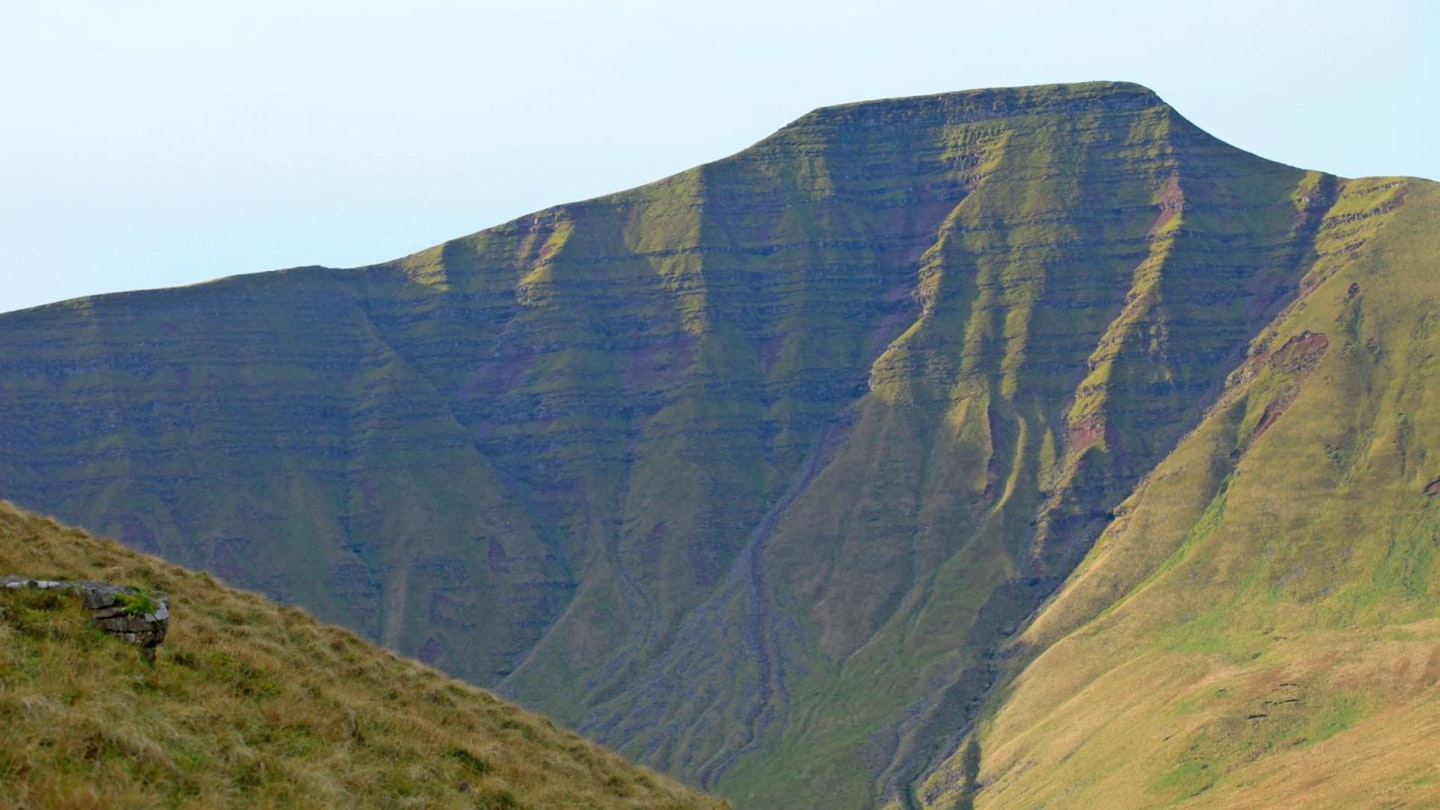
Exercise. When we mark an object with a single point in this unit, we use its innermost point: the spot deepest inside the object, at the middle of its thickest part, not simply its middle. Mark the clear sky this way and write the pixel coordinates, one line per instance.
(149, 143)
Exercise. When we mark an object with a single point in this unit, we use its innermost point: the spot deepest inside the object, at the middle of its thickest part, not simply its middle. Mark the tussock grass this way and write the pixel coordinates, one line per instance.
(250, 703)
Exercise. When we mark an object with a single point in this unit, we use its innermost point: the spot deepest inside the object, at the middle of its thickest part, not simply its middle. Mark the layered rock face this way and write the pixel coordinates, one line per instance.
(750, 472)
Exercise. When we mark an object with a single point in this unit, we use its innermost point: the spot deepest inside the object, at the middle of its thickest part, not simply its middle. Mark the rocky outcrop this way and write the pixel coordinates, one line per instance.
(131, 614)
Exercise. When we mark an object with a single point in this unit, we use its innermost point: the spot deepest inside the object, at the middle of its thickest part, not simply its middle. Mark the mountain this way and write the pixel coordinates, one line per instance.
(851, 469)
(249, 703)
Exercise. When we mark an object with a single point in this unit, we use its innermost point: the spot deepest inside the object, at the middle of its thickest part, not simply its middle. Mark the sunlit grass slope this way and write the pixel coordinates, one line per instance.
(1260, 625)
(253, 704)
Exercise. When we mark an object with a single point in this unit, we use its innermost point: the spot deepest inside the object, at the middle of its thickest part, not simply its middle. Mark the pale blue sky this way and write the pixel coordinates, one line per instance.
(151, 143)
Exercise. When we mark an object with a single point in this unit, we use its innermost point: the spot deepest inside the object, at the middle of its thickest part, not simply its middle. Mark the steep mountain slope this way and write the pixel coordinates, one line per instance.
(1260, 626)
(751, 472)
(1075, 306)
(253, 704)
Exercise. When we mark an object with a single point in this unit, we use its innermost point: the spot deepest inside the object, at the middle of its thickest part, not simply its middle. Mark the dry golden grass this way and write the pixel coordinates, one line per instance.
(250, 703)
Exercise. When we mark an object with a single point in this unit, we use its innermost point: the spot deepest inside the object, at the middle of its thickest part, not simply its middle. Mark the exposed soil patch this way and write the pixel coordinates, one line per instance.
(432, 652)
(1301, 353)
(1172, 201)
(1298, 357)
(1086, 432)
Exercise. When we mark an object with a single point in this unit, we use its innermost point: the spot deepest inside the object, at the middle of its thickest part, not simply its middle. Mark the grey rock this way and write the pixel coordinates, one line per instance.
(139, 618)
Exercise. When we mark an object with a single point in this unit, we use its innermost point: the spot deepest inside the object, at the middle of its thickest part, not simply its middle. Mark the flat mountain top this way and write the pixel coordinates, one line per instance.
(990, 103)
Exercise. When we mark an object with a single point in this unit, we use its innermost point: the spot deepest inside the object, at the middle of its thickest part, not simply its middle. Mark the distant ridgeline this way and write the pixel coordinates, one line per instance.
(1009, 447)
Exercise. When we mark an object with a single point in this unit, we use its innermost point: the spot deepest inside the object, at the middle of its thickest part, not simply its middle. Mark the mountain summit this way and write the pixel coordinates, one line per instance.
(886, 461)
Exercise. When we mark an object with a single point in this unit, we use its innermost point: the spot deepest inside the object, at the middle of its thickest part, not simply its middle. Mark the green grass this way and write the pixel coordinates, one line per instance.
(137, 603)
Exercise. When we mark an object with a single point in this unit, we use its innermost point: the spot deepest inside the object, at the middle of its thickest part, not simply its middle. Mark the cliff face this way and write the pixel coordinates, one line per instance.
(749, 472)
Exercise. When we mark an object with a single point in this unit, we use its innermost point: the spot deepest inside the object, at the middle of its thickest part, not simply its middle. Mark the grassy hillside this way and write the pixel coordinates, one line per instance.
(1260, 626)
(253, 704)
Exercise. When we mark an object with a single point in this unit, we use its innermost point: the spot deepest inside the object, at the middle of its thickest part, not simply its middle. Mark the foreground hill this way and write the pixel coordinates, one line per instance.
(759, 473)
(250, 703)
